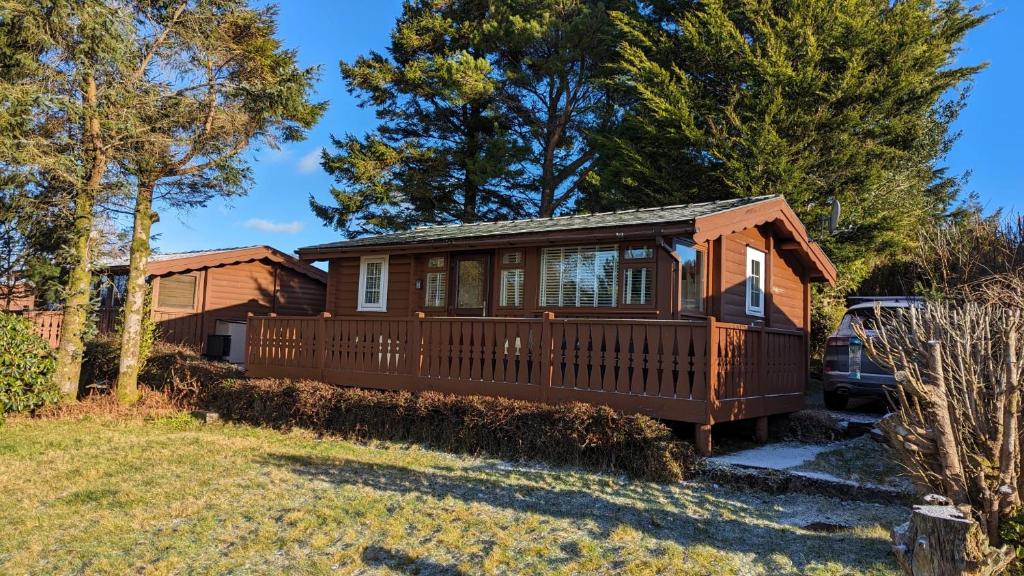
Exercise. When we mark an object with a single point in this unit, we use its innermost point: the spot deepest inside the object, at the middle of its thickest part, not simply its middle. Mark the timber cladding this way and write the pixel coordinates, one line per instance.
(193, 291)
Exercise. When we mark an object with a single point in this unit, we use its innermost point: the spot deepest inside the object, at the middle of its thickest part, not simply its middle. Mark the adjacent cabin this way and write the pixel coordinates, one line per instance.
(697, 313)
(195, 294)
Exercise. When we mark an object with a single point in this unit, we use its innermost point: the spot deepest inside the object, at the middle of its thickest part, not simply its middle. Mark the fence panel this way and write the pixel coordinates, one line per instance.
(484, 350)
(635, 357)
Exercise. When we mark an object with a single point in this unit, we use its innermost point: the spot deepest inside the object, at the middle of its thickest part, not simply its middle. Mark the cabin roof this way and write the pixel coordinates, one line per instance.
(177, 262)
(705, 220)
(660, 215)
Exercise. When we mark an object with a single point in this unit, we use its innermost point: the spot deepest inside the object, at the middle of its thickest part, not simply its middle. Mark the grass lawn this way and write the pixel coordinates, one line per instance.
(99, 496)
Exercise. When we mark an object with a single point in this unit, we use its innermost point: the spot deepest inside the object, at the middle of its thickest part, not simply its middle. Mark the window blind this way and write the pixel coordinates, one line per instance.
(512, 287)
(579, 276)
(436, 282)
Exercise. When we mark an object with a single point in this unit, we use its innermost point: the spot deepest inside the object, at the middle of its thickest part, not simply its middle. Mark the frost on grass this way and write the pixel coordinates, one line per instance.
(861, 461)
(232, 499)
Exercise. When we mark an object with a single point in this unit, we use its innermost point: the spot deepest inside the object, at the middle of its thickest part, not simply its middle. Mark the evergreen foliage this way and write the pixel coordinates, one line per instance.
(26, 367)
(484, 110)
(443, 151)
(844, 99)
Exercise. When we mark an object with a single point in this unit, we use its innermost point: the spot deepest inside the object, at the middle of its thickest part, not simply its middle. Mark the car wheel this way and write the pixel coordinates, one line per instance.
(836, 401)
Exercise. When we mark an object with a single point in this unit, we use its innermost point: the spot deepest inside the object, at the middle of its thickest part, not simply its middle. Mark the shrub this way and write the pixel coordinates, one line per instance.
(815, 426)
(26, 367)
(572, 434)
(176, 371)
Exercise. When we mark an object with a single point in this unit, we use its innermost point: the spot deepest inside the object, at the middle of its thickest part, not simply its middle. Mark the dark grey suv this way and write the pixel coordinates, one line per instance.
(848, 371)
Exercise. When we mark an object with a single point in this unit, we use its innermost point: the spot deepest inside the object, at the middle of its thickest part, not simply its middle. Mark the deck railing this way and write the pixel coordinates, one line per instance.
(699, 371)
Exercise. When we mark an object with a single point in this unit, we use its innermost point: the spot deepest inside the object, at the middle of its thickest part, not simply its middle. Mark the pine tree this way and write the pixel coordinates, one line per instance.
(443, 151)
(549, 58)
(67, 74)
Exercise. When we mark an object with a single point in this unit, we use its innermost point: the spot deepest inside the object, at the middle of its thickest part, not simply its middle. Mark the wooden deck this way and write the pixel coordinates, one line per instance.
(699, 371)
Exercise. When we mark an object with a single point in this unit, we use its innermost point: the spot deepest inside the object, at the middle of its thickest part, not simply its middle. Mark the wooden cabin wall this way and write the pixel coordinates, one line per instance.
(786, 283)
(231, 292)
(343, 287)
(405, 299)
(298, 294)
(785, 280)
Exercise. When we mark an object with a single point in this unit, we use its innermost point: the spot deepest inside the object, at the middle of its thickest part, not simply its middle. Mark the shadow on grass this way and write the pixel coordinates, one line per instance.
(379, 556)
(688, 517)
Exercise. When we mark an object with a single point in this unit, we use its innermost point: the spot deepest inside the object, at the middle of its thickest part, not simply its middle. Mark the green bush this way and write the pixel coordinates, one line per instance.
(1012, 532)
(574, 434)
(26, 367)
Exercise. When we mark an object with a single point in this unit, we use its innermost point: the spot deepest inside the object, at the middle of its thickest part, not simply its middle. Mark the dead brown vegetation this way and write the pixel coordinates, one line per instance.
(573, 434)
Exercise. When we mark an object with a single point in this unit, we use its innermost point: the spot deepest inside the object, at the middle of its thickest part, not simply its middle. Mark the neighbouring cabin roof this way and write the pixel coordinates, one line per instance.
(177, 262)
(705, 220)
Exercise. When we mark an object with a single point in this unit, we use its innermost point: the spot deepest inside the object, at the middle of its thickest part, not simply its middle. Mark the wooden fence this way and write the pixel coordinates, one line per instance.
(177, 327)
(48, 323)
(693, 371)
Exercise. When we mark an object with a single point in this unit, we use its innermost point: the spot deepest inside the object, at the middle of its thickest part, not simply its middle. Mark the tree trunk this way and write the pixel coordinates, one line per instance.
(78, 291)
(939, 540)
(127, 388)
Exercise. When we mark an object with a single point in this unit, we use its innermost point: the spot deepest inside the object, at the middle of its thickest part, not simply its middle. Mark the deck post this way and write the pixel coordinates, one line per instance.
(703, 435)
(416, 342)
(320, 348)
(762, 370)
(248, 339)
(547, 343)
(702, 438)
(761, 429)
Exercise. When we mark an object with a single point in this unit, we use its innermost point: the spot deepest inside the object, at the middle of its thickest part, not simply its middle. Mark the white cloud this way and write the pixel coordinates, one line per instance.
(274, 227)
(310, 162)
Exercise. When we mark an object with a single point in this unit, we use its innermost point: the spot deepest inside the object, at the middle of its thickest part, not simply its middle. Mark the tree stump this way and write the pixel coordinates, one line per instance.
(940, 540)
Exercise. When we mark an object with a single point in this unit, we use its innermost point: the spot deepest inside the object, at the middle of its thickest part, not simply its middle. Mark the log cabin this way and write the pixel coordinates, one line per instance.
(697, 313)
(196, 294)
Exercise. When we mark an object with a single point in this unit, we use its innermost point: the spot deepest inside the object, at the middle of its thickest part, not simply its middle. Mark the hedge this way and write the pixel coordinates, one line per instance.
(573, 434)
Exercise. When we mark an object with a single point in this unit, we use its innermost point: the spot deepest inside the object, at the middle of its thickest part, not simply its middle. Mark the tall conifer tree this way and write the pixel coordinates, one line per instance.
(817, 100)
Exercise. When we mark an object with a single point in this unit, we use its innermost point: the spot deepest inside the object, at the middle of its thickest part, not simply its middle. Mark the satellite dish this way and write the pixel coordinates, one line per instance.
(833, 219)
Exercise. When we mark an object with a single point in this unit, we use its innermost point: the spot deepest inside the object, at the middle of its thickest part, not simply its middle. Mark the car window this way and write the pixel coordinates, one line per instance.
(865, 317)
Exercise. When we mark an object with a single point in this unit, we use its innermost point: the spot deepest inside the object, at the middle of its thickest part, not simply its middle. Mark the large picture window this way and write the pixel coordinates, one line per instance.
(755, 282)
(691, 276)
(579, 276)
(373, 284)
(177, 292)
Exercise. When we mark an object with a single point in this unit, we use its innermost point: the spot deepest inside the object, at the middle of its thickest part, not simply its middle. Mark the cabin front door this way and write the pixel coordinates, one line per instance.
(471, 284)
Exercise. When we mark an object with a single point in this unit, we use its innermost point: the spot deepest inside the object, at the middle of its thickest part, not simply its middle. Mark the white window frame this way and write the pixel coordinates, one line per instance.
(755, 255)
(546, 253)
(646, 279)
(515, 300)
(382, 306)
(441, 287)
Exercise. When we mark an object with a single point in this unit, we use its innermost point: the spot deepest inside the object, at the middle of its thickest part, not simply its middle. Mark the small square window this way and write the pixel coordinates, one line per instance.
(512, 288)
(639, 253)
(435, 262)
(177, 292)
(639, 286)
(512, 258)
(436, 283)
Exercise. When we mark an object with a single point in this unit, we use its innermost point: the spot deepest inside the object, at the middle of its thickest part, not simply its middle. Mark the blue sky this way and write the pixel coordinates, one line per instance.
(276, 211)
